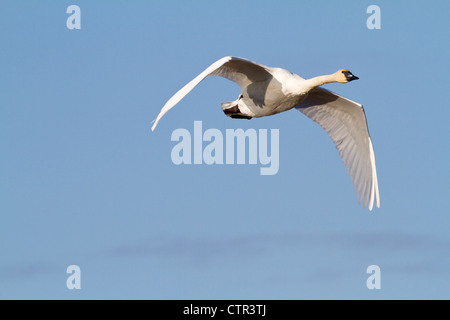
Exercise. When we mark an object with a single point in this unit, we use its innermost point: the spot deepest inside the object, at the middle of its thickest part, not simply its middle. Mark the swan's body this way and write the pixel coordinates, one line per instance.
(267, 91)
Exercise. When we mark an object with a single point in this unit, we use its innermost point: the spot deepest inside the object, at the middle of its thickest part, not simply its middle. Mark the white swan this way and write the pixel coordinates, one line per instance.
(267, 91)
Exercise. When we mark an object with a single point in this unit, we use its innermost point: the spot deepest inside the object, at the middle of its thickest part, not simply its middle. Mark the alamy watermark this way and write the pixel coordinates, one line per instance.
(74, 280)
(374, 20)
(228, 148)
(74, 20)
(374, 280)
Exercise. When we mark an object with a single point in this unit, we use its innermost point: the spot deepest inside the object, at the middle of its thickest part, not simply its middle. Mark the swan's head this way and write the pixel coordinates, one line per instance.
(344, 76)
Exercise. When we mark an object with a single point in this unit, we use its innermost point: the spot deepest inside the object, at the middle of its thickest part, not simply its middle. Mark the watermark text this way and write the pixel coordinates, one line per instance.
(230, 148)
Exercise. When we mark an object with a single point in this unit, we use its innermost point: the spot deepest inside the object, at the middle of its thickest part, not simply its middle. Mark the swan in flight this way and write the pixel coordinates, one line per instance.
(267, 91)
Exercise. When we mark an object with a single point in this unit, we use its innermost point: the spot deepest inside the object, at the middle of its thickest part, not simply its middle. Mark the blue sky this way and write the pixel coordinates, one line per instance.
(85, 182)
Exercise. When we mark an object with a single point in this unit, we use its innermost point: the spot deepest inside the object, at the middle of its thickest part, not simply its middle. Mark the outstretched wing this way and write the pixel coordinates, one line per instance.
(345, 122)
(239, 70)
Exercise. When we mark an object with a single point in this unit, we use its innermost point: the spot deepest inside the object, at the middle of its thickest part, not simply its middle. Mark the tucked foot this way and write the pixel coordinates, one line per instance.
(232, 110)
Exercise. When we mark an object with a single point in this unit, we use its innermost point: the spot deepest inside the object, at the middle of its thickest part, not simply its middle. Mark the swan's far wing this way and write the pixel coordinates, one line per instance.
(239, 70)
(242, 71)
(345, 122)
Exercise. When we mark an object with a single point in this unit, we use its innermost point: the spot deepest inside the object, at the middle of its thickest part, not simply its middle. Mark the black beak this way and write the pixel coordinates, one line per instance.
(349, 76)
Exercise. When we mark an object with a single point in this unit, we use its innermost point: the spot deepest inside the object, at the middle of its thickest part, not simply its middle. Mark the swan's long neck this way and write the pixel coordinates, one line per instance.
(319, 81)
